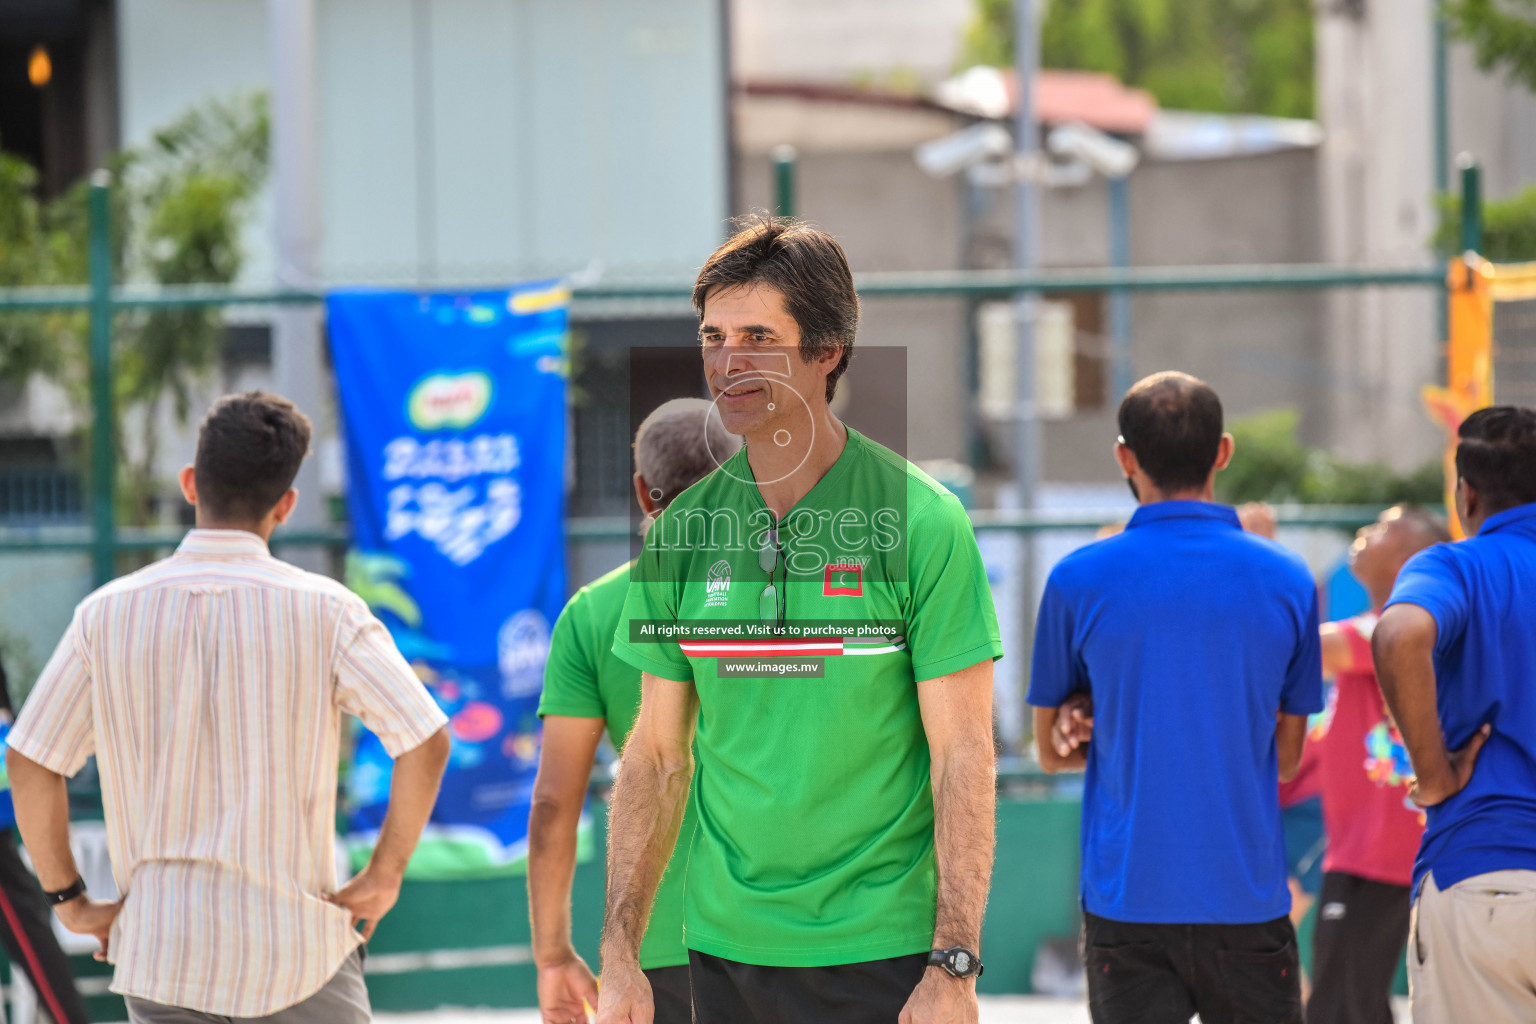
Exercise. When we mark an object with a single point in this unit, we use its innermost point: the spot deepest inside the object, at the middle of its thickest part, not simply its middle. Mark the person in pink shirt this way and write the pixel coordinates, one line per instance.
(1362, 769)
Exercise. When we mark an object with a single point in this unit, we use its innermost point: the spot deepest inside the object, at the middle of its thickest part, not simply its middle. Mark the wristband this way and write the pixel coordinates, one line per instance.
(65, 895)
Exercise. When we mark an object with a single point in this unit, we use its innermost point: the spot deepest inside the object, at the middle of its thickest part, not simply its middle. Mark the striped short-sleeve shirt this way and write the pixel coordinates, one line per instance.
(211, 687)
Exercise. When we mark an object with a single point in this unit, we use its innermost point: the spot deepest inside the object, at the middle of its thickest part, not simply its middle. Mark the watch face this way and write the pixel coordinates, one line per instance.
(962, 961)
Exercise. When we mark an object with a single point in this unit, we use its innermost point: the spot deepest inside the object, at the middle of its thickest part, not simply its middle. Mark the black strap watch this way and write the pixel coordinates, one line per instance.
(957, 960)
(77, 888)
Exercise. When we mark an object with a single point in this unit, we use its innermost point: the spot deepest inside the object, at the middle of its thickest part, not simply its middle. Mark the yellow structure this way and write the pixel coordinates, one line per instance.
(1474, 285)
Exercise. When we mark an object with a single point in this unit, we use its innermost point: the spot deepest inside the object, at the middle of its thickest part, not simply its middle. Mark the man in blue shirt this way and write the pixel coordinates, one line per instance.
(1455, 652)
(1197, 643)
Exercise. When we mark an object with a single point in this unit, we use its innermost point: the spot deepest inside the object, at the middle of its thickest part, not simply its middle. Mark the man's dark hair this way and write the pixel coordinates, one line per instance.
(807, 266)
(249, 448)
(1172, 421)
(1497, 455)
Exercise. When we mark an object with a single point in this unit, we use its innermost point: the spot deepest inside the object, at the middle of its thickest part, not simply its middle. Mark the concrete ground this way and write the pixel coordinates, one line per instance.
(994, 1010)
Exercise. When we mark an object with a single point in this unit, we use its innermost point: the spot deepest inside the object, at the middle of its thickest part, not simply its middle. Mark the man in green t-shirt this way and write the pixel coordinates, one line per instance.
(588, 689)
(813, 619)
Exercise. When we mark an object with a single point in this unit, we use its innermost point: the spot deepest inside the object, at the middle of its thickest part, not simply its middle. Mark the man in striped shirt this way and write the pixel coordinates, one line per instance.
(211, 688)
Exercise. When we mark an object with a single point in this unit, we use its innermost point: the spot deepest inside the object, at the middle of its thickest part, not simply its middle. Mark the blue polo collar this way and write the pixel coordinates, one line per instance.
(1207, 510)
(1517, 516)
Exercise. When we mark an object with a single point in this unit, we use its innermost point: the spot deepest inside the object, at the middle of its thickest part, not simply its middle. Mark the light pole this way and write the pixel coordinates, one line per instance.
(1026, 258)
(1114, 159)
(298, 371)
(1121, 373)
(784, 158)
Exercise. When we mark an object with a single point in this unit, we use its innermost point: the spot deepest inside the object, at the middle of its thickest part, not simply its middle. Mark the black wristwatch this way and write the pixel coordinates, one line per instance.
(957, 960)
(65, 895)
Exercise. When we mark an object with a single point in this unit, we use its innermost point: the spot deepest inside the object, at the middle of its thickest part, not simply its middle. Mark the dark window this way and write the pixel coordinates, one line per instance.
(65, 123)
(624, 369)
(1090, 346)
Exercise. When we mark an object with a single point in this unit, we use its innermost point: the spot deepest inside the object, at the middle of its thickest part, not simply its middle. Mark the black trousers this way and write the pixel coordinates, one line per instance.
(26, 930)
(873, 992)
(1357, 945)
(670, 993)
(1166, 973)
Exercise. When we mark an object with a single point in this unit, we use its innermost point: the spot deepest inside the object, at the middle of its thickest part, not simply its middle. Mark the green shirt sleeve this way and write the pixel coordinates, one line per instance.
(570, 674)
(951, 623)
(653, 594)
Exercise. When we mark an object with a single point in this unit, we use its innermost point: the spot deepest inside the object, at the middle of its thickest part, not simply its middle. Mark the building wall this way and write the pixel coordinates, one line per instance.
(173, 54)
(468, 141)
(480, 140)
(860, 183)
(892, 42)
(1262, 350)
(1495, 121)
(474, 141)
(1375, 101)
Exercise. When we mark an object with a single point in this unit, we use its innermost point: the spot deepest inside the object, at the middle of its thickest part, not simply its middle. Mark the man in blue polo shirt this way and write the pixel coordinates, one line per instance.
(1455, 652)
(1197, 644)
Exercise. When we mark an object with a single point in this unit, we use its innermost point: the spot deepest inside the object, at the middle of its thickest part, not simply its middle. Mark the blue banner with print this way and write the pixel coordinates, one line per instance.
(7, 805)
(454, 418)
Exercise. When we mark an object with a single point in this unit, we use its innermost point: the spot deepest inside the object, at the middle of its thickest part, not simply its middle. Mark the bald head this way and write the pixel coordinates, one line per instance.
(1382, 549)
(678, 444)
(1426, 527)
(1172, 422)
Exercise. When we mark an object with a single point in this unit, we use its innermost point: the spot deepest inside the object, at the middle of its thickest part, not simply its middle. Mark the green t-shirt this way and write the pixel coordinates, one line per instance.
(814, 843)
(583, 679)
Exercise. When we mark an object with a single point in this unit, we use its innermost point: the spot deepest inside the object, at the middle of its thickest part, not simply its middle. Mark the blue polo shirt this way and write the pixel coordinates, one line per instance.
(1191, 634)
(1482, 593)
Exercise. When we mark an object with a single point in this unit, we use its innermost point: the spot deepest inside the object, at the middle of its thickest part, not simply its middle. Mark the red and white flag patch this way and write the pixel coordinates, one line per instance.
(843, 579)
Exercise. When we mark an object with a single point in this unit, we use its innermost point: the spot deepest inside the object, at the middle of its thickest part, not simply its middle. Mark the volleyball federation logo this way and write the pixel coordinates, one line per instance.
(717, 587)
(522, 647)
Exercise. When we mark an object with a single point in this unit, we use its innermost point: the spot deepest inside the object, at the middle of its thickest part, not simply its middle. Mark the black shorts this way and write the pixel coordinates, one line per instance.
(873, 992)
(1228, 973)
(671, 994)
(1357, 945)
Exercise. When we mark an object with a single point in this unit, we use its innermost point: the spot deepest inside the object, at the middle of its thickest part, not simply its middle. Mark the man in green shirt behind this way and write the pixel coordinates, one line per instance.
(588, 689)
(814, 619)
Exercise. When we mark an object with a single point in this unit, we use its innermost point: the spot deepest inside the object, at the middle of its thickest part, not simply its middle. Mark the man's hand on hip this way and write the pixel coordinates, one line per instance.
(625, 997)
(85, 916)
(369, 896)
(1428, 792)
(941, 998)
(566, 990)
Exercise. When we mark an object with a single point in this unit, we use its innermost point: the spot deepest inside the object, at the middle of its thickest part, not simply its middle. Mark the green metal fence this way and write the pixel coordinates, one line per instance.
(102, 300)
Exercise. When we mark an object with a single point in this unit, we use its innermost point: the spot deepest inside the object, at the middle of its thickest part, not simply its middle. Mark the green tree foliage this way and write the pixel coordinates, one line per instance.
(178, 206)
(1271, 464)
(1502, 34)
(1503, 37)
(191, 190)
(989, 36)
(36, 248)
(1509, 227)
(1227, 56)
